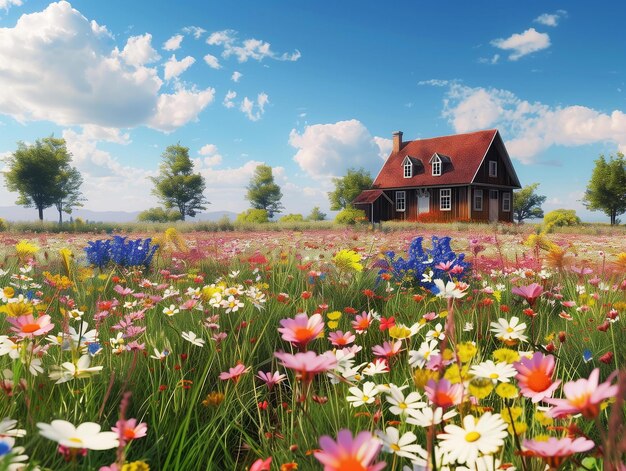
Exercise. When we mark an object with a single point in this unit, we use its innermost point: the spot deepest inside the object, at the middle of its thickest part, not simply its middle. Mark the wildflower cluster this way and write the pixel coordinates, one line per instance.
(119, 250)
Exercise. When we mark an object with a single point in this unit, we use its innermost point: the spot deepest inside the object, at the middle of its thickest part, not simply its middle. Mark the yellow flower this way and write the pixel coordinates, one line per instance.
(422, 376)
(66, 256)
(543, 419)
(505, 354)
(136, 466)
(620, 261)
(466, 351)
(443, 314)
(59, 282)
(497, 295)
(399, 332)
(520, 428)
(348, 260)
(333, 324)
(213, 399)
(8, 292)
(209, 291)
(334, 315)
(507, 391)
(453, 374)
(25, 249)
(17, 309)
(480, 387)
(511, 414)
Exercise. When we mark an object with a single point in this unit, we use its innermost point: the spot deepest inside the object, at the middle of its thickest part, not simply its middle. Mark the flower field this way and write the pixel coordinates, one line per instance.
(337, 350)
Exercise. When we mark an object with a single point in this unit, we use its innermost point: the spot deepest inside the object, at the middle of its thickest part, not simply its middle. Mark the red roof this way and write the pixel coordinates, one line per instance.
(466, 153)
(367, 196)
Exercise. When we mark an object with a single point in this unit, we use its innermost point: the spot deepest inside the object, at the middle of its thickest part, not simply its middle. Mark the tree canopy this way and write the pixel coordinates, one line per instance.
(316, 214)
(606, 190)
(527, 203)
(177, 186)
(42, 175)
(263, 192)
(348, 188)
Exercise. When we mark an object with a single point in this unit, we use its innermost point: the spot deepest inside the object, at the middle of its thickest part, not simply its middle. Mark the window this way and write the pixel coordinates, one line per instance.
(408, 169)
(436, 167)
(478, 200)
(400, 200)
(493, 168)
(506, 202)
(445, 199)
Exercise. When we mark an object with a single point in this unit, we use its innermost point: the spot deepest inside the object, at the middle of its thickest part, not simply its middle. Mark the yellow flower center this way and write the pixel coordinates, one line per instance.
(75, 440)
(509, 329)
(366, 398)
(472, 437)
(402, 405)
(394, 447)
(494, 375)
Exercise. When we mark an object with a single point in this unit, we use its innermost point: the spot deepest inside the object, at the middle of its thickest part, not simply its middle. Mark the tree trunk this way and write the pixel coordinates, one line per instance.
(40, 209)
(60, 217)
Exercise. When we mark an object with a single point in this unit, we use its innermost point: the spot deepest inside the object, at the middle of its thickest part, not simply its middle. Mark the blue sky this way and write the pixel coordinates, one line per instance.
(310, 88)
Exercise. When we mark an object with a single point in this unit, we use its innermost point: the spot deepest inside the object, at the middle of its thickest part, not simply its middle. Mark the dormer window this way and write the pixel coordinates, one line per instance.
(493, 168)
(436, 164)
(407, 166)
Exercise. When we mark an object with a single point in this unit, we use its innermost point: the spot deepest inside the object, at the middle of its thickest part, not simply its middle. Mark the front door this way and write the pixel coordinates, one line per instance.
(493, 205)
(423, 201)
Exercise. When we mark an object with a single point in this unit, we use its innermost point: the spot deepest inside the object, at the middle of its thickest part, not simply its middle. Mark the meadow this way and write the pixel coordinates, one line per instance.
(351, 349)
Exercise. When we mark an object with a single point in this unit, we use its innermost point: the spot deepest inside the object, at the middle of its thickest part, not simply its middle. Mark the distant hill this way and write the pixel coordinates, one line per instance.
(17, 213)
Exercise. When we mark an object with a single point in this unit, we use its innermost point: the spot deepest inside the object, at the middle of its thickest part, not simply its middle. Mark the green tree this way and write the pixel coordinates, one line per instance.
(350, 215)
(158, 215)
(527, 203)
(348, 188)
(606, 190)
(263, 192)
(68, 191)
(177, 186)
(561, 217)
(253, 216)
(292, 218)
(316, 215)
(42, 175)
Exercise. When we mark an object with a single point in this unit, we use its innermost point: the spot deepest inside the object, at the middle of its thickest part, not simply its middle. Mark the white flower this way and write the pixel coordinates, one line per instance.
(400, 445)
(216, 300)
(427, 276)
(68, 370)
(193, 338)
(11, 459)
(494, 371)
(401, 405)
(436, 334)
(377, 367)
(365, 396)
(234, 274)
(160, 355)
(509, 331)
(86, 435)
(477, 437)
(7, 428)
(8, 347)
(232, 304)
(418, 358)
(449, 289)
(468, 327)
(75, 314)
(171, 310)
(428, 416)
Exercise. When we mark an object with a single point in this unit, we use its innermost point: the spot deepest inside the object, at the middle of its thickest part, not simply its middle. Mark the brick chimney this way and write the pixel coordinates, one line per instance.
(397, 141)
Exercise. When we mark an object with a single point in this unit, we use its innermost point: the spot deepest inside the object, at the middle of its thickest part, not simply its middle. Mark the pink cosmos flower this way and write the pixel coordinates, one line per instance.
(349, 453)
(307, 364)
(339, 339)
(128, 430)
(583, 396)
(534, 376)
(302, 329)
(530, 293)
(362, 322)
(234, 373)
(270, 379)
(555, 451)
(261, 464)
(388, 349)
(29, 327)
(444, 394)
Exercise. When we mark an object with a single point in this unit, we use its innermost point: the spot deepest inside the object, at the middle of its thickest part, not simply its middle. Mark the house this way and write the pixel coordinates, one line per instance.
(466, 177)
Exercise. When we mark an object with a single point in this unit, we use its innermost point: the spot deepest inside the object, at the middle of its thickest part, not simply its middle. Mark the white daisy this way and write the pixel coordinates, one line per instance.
(404, 445)
(401, 405)
(449, 289)
(509, 331)
(436, 333)
(193, 338)
(501, 372)
(477, 437)
(69, 370)
(171, 310)
(376, 367)
(428, 416)
(365, 396)
(418, 358)
(86, 435)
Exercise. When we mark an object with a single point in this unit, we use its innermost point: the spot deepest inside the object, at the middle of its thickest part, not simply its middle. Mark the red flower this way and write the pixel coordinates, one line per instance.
(604, 326)
(369, 293)
(350, 310)
(529, 312)
(607, 358)
(387, 322)
(306, 294)
(418, 297)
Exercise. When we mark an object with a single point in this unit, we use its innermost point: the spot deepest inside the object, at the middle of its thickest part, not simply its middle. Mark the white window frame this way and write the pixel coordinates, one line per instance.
(437, 164)
(478, 197)
(445, 195)
(400, 207)
(408, 169)
(493, 168)
(506, 202)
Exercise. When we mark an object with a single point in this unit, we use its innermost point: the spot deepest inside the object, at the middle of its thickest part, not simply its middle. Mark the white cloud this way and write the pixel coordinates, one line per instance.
(254, 111)
(211, 155)
(195, 31)
(384, 146)
(531, 128)
(489, 60)
(236, 76)
(434, 82)
(139, 51)
(174, 68)
(247, 49)
(551, 19)
(212, 61)
(177, 109)
(100, 133)
(173, 43)
(228, 99)
(522, 44)
(6, 4)
(328, 150)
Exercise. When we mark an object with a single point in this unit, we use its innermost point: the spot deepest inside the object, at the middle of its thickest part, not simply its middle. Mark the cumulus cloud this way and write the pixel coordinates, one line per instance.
(253, 110)
(210, 154)
(212, 61)
(228, 99)
(173, 68)
(531, 127)
(177, 109)
(247, 49)
(551, 19)
(195, 31)
(173, 43)
(6, 4)
(82, 78)
(522, 44)
(236, 76)
(328, 150)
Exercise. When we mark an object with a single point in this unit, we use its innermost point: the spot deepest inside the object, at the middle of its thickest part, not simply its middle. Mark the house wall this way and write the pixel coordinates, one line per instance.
(459, 208)
(503, 178)
(503, 216)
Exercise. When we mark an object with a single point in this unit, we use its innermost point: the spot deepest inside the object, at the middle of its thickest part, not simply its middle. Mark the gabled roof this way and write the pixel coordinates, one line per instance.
(462, 153)
(369, 196)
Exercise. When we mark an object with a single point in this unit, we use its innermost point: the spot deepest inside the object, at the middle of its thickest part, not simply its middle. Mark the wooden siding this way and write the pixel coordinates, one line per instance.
(503, 178)
(483, 216)
(459, 206)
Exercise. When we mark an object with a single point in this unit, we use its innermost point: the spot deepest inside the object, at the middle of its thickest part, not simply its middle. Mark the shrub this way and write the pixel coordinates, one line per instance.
(254, 216)
(292, 218)
(3, 225)
(158, 215)
(350, 215)
(561, 217)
